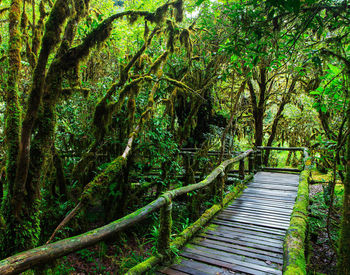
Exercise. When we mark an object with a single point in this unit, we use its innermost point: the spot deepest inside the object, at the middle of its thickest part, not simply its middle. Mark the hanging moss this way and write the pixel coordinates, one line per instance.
(38, 30)
(146, 32)
(2, 223)
(179, 11)
(132, 18)
(159, 15)
(186, 42)
(100, 183)
(171, 35)
(103, 111)
(24, 19)
(160, 60)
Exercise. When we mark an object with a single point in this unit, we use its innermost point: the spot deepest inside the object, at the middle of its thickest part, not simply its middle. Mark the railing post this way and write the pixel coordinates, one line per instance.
(258, 159)
(251, 163)
(166, 221)
(241, 169)
(222, 188)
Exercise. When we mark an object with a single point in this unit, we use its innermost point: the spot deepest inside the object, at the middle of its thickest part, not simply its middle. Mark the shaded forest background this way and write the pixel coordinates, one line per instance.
(99, 97)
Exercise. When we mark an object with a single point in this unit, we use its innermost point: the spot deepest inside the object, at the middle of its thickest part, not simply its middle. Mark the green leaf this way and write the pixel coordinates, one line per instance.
(334, 69)
(199, 2)
(323, 109)
(315, 92)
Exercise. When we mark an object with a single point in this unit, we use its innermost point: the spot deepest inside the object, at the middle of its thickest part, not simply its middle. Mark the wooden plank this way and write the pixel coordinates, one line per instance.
(250, 227)
(170, 271)
(261, 202)
(235, 249)
(273, 176)
(202, 267)
(235, 230)
(258, 201)
(265, 223)
(232, 260)
(188, 270)
(244, 238)
(213, 253)
(279, 181)
(269, 198)
(259, 214)
(269, 191)
(252, 221)
(261, 208)
(259, 211)
(280, 195)
(277, 255)
(237, 242)
(223, 264)
(235, 234)
(273, 186)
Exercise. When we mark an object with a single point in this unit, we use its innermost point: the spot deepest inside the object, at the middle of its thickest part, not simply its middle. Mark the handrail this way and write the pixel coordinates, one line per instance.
(303, 149)
(294, 261)
(46, 253)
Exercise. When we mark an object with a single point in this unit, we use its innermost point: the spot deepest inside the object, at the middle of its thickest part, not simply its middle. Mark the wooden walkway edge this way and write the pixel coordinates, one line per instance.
(247, 236)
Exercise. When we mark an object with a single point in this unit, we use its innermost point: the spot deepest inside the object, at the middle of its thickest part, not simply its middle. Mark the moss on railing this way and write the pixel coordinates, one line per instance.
(189, 232)
(46, 253)
(294, 261)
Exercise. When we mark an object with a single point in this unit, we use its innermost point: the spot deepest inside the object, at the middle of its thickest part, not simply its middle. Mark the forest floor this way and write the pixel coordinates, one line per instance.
(322, 254)
(112, 258)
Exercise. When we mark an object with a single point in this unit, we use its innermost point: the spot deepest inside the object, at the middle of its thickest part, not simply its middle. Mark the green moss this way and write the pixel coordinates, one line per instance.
(344, 242)
(171, 30)
(156, 65)
(163, 243)
(144, 266)
(12, 132)
(178, 5)
(100, 183)
(185, 41)
(294, 243)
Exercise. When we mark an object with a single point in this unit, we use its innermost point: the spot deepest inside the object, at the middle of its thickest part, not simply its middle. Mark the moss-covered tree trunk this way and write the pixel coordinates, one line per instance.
(344, 247)
(21, 206)
(258, 105)
(12, 125)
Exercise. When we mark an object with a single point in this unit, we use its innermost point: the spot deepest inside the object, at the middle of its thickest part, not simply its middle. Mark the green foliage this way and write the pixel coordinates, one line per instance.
(319, 210)
(157, 146)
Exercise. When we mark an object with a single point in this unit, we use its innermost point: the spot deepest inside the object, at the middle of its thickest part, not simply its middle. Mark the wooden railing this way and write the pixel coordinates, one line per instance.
(261, 149)
(294, 248)
(47, 253)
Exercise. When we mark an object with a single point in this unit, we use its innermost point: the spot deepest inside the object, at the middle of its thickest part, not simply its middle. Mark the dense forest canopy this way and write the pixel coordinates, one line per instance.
(98, 98)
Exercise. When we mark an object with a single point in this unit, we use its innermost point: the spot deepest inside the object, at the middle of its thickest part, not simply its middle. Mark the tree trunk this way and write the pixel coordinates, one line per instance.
(274, 129)
(13, 233)
(344, 246)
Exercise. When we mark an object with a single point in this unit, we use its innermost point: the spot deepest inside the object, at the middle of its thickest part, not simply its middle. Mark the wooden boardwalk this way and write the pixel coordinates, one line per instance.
(247, 236)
